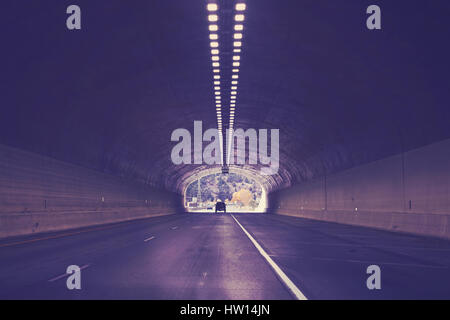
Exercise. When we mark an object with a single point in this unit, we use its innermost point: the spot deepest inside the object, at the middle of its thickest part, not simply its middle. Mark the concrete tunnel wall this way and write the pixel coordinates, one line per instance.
(41, 194)
(408, 192)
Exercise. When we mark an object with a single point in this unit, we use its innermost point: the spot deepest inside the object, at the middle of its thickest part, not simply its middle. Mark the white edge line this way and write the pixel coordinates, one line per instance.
(291, 286)
(148, 239)
(66, 274)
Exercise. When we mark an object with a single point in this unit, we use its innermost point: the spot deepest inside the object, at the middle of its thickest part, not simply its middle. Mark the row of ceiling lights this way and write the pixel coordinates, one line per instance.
(213, 27)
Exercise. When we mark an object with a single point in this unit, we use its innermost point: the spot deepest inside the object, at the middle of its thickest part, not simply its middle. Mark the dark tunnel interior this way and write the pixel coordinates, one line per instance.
(363, 118)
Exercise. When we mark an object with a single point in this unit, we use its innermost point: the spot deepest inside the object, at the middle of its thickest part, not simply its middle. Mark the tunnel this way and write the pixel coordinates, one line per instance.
(323, 126)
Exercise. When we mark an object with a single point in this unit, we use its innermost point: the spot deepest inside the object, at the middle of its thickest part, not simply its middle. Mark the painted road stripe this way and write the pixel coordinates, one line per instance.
(64, 235)
(148, 239)
(66, 274)
(291, 286)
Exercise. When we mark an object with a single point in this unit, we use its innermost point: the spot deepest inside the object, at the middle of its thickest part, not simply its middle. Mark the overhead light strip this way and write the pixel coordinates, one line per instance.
(213, 27)
(239, 18)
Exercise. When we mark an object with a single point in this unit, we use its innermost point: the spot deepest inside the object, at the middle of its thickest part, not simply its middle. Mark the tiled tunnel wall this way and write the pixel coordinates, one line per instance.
(409, 192)
(39, 194)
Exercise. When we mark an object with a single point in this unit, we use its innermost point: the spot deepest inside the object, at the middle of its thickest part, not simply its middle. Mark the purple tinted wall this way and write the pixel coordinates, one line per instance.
(409, 192)
(39, 194)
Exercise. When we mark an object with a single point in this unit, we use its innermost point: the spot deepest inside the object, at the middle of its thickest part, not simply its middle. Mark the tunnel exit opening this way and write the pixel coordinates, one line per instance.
(240, 192)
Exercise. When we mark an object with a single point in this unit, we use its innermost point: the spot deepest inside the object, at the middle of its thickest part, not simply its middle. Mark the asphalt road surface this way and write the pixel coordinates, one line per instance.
(224, 256)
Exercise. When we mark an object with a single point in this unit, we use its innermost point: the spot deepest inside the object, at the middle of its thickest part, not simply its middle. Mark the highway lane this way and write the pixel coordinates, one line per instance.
(330, 260)
(190, 257)
(207, 256)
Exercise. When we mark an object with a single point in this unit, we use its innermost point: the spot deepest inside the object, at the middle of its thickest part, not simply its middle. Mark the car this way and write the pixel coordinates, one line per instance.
(221, 206)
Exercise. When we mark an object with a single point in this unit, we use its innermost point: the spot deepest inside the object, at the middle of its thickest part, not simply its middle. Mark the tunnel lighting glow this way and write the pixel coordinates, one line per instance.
(213, 16)
(214, 7)
(240, 6)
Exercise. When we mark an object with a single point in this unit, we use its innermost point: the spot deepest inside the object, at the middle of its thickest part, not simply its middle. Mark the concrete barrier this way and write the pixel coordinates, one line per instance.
(409, 192)
(38, 222)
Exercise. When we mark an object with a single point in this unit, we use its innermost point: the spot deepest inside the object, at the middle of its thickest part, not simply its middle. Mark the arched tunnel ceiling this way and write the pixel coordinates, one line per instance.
(108, 96)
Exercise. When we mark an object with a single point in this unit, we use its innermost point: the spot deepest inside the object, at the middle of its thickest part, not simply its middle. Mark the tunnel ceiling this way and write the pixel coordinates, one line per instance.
(109, 96)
